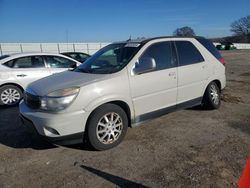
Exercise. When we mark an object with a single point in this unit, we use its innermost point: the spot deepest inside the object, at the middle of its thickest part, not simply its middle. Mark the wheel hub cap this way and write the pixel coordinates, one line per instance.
(215, 95)
(109, 128)
(10, 96)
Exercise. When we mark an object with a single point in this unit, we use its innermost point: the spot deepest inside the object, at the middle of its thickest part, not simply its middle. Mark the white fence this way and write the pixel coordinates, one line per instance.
(242, 46)
(90, 48)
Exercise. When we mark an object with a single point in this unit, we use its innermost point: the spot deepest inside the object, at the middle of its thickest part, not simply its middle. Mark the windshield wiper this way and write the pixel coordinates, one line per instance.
(82, 70)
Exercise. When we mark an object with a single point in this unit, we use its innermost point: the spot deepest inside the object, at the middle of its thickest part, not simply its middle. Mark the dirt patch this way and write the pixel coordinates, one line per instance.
(239, 81)
(245, 74)
(227, 97)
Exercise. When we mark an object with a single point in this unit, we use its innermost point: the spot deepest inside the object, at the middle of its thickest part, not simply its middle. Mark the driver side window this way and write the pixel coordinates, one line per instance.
(162, 54)
(59, 62)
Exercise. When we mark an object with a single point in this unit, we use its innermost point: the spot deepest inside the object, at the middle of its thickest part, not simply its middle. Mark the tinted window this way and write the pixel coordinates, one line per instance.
(4, 56)
(210, 47)
(188, 53)
(9, 64)
(162, 54)
(78, 56)
(26, 62)
(59, 62)
(84, 56)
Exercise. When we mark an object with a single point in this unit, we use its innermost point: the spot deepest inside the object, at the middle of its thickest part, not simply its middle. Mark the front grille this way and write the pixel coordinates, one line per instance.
(32, 101)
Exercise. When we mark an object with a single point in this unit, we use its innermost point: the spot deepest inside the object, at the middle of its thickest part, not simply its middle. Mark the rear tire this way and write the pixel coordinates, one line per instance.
(10, 95)
(107, 127)
(212, 97)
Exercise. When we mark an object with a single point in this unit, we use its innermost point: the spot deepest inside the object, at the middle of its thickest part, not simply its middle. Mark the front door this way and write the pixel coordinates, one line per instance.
(58, 64)
(157, 89)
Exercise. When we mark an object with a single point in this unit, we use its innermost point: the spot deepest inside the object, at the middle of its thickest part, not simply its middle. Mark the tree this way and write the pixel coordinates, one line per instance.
(241, 27)
(184, 32)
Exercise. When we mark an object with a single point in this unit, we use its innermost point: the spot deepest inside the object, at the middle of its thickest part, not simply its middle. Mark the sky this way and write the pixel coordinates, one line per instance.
(114, 20)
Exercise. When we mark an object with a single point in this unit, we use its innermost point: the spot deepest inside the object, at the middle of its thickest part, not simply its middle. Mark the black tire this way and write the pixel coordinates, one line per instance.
(6, 88)
(96, 117)
(208, 102)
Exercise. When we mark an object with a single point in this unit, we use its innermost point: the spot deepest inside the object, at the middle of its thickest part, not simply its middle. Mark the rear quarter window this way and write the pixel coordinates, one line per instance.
(9, 64)
(187, 53)
(210, 47)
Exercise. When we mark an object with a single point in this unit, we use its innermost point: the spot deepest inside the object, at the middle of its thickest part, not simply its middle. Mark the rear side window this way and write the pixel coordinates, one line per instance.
(210, 47)
(162, 54)
(26, 62)
(188, 54)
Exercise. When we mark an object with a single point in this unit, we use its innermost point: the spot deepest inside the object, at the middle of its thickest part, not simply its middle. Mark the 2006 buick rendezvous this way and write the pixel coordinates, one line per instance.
(123, 84)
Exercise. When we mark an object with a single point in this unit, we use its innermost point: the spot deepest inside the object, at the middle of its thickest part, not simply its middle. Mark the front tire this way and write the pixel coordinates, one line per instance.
(10, 95)
(107, 127)
(212, 97)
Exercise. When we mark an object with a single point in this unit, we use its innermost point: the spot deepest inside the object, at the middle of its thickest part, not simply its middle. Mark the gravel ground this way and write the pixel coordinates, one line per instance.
(188, 148)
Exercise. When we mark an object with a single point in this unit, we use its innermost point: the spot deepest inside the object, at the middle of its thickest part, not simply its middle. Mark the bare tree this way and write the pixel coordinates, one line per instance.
(241, 26)
(184, 32)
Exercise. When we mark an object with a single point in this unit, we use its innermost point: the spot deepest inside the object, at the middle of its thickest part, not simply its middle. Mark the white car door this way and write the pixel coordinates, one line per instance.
(192, 72)
(29, 69)
(58, 64)
(153, 92)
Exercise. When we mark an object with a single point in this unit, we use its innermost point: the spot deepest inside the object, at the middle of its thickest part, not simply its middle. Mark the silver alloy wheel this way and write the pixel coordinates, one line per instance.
(109, 128)
(10, 96)
(214, 94)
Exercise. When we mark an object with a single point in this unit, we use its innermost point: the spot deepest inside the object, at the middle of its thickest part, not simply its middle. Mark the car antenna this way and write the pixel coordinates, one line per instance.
(129, 39)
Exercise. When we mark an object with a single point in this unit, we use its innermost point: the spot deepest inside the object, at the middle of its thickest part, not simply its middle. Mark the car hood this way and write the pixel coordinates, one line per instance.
(63, 80)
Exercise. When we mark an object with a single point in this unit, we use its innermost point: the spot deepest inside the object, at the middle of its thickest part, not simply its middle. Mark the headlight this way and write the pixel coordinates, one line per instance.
(60, 99)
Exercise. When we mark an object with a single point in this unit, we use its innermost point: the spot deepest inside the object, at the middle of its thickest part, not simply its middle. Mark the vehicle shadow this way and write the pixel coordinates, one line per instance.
(13, 133)
(118, 181)
(196, 108)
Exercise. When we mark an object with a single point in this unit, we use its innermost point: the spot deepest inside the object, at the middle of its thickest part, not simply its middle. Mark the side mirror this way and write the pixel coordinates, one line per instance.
(144, 65)
(72, 66)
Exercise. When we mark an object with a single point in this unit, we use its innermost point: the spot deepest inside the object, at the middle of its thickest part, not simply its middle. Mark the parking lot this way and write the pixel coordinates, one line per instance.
(188, 148)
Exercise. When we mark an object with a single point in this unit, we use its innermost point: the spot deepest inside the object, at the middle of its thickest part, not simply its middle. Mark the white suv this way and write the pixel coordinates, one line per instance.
(19, 70)
(122, 85)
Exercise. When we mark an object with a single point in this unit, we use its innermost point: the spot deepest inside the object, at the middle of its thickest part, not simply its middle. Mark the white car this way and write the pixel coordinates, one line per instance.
(19, 70)
(122, 85)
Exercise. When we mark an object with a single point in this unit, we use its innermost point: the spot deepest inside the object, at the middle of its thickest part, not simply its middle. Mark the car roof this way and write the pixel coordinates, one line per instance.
(69, 53)
(73, 53)
(31, 54)
(145, 40)
(17, 55)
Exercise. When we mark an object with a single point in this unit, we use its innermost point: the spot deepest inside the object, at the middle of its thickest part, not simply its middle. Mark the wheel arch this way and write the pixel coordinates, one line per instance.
(119, 103)
(218, 83)
(15, 84)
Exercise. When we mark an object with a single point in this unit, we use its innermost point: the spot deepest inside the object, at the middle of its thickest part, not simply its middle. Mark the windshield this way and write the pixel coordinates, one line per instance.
(109, 59)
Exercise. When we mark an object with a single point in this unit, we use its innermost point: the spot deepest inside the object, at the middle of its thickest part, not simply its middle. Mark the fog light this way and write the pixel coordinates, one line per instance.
(50, 131)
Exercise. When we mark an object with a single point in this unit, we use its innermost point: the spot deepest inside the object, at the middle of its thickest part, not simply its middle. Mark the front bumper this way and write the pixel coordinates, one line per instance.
(63, 128)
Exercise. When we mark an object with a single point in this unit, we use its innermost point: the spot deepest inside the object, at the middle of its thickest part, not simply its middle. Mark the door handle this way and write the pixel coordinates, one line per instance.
(171, 74)
(204, 66)
(21, 75)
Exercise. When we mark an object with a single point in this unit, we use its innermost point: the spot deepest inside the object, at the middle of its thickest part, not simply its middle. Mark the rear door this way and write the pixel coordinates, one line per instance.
(28, 69)
(192, 71)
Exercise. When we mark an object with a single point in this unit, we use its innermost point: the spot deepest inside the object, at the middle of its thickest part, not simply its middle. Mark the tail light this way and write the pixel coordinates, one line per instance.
(222, 60)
